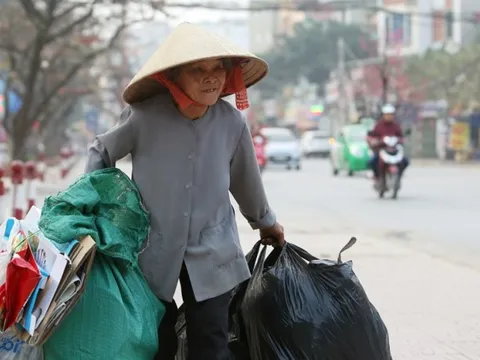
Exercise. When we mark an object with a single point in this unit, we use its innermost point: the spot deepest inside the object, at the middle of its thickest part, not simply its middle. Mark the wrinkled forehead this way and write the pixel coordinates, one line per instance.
(209, 63)
(204, 64)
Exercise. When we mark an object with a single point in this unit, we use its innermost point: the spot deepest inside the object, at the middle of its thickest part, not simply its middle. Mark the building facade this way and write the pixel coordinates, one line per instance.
(413, 26)
(234, 29)
(262, 26)
(348, 14)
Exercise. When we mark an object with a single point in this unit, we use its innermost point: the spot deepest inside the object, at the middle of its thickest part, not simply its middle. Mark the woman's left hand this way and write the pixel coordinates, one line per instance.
(273, 236)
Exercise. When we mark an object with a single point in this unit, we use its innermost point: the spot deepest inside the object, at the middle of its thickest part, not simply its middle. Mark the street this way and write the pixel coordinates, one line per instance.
(415, 256)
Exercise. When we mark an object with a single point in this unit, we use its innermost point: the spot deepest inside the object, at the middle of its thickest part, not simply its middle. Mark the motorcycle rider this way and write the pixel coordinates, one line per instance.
(257, 135)
(386, 126)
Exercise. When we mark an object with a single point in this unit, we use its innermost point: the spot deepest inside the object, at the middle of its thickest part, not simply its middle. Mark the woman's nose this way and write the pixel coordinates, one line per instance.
(210, 79)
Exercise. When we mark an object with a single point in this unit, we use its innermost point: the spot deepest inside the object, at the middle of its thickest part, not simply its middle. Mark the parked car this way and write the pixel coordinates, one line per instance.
(315, 143)
(282, 147)
(350, 150)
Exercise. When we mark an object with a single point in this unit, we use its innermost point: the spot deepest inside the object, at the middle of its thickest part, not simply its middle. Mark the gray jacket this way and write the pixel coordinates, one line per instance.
(185, 170)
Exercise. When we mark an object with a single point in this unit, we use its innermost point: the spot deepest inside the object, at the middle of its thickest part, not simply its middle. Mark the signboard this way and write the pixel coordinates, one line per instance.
(460, 136)
(14, 101)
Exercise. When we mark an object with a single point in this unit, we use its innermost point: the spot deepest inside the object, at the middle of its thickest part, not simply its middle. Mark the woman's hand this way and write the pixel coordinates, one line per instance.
(273, 236)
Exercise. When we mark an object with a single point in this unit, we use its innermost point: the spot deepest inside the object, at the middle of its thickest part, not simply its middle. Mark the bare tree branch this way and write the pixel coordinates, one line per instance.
(71, 26)
(52, 45)
(69, 11)
(33, 14)
(79, 65)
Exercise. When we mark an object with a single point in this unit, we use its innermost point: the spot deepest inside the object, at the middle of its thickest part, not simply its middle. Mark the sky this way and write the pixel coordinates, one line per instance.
(202, 15)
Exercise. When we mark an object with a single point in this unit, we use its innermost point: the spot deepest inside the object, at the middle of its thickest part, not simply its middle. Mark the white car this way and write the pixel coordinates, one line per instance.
(282, 147)
(315, 142)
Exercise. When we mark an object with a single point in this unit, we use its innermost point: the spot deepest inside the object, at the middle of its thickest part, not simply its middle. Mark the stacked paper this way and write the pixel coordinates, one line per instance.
(63, 274)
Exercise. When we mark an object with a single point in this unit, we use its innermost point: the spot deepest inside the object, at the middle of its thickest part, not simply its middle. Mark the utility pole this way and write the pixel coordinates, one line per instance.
(343, 101)
(385, 72)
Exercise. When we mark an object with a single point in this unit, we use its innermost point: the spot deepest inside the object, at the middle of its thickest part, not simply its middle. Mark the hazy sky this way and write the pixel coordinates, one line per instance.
(202, 15)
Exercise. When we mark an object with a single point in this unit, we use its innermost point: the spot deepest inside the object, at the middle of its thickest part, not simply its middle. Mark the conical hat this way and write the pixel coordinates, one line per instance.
(189, 43)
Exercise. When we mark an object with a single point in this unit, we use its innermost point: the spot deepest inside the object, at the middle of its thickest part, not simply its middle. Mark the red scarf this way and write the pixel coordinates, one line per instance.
(234, 84)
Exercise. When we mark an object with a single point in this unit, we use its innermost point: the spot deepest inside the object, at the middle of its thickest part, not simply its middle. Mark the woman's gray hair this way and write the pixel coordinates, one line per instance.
(173, 73)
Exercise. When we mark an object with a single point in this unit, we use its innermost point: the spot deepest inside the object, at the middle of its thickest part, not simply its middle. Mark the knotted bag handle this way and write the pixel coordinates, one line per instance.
(256, 265)
(352, 242)
(309, 257)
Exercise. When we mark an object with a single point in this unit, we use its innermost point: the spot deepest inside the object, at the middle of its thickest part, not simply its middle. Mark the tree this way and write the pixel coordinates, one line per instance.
(447, 75)
(312, 52)
(49, 45)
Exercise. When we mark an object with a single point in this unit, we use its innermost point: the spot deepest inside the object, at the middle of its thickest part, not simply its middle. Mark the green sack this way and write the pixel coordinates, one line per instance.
(118, 316)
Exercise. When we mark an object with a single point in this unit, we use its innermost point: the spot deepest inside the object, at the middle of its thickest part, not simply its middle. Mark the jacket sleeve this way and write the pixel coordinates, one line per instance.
(376, 130)
(112, 146)
(246, 184)
(399, 131)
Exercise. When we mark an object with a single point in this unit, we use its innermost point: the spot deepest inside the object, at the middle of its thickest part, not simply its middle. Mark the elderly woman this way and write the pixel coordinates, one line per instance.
(189, 150)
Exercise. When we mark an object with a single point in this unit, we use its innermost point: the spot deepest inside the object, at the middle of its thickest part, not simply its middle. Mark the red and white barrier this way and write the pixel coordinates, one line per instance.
(65, 164)
(41, 165)
(68, 161)
(30, 183)
(17, 173)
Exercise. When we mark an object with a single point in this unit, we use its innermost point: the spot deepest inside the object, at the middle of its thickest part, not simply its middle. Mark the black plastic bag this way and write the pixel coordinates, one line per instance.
(298, 307)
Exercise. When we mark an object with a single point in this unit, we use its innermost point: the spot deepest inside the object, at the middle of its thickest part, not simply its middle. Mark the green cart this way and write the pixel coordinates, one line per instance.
(350, 151)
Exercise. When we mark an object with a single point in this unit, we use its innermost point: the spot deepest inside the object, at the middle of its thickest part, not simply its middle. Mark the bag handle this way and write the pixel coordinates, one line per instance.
(256, 262)
(304, 254)
(309, 257)
(252, 256)
(260, 263)
(352, 242)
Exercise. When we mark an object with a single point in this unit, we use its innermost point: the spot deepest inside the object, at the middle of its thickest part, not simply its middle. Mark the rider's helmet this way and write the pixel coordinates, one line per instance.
(388, 112)
(388, 109)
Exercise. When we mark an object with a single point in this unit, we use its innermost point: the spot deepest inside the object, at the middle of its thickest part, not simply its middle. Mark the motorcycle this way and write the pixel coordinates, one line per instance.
(259, 143)
(390, 161)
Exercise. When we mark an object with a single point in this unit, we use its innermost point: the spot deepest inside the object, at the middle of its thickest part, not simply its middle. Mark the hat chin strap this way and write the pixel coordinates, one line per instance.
(181, 98)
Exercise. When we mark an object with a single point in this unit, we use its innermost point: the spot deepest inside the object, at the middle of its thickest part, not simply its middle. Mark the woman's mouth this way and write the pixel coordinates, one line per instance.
(209, 91)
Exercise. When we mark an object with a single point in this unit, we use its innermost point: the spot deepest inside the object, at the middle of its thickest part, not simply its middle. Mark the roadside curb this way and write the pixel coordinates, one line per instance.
(446, 163)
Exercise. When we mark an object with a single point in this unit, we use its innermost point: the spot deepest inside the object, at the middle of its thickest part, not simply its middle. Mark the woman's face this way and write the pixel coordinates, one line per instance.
(203, 81)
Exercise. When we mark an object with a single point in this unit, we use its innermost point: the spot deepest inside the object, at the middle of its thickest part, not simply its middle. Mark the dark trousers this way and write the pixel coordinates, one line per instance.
(374, 165)
(207, 326)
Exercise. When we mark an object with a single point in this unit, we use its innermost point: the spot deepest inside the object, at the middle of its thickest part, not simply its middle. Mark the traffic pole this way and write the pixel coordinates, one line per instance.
(30, 183)
(64, 167)
(73, 159)
(41, 164)
(18, 194)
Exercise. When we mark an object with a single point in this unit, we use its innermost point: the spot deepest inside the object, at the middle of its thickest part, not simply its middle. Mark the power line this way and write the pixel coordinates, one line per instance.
(471, 17)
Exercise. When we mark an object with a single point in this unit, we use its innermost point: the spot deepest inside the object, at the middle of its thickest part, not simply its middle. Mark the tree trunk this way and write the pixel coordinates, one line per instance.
(19, 135)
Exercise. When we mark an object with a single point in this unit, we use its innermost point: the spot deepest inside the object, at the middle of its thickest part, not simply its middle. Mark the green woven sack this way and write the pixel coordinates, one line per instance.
(118, 316)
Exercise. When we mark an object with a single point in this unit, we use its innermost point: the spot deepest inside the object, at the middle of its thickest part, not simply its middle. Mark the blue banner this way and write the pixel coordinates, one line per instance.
(14, 100)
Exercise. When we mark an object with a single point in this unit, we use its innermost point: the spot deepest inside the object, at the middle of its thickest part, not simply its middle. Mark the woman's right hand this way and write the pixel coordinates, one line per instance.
(273, 236)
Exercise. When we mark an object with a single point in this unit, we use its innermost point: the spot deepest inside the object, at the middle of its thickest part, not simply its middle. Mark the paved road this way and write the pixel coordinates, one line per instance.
(438, 207)
(415, 255)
